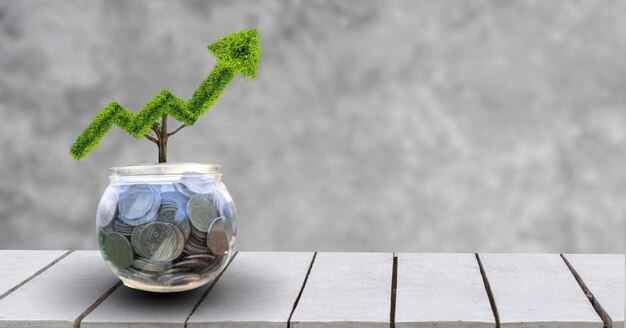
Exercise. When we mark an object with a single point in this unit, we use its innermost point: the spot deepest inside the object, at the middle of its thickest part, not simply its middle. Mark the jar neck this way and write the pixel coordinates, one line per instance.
(164, 178)
(165, 172)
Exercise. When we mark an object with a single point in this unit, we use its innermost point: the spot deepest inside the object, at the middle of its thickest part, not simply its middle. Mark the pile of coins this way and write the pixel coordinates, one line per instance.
(165, 234)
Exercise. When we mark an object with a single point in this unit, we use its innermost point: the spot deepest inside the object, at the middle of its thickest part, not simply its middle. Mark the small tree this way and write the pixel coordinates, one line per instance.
(236, 53)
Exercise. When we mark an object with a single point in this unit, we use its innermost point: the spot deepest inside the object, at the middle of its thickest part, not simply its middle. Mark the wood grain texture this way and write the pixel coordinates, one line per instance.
(441, 290)
(58, 296)
(258, 290)
(16, 266)
(537, 290)
(347, 290)
(604, 275)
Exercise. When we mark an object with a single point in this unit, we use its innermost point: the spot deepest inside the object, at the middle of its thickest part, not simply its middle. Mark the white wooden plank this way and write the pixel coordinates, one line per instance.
(604, 276)
(257, 290)
(441, 290)
(59, 295)
(537, 290)
(347, 290)
(16, 266)
(127, 307)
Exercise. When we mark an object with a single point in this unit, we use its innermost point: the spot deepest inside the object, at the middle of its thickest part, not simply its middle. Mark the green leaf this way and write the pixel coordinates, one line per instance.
(236, 53)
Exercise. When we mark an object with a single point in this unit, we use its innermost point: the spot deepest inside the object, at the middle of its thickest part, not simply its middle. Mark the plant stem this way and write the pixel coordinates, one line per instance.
(151, 138)
(176, 130)
(163, 140)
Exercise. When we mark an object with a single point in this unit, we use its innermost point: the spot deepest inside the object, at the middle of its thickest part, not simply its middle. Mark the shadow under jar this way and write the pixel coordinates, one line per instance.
(166, 227)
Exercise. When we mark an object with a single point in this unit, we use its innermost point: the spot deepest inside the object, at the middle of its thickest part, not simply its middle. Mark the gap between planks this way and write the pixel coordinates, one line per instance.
(492, 300)
(394, 289)
(394, 286)
(206, 292)
(95, 304)
(55, 261)
(606, 318)
(306, 278)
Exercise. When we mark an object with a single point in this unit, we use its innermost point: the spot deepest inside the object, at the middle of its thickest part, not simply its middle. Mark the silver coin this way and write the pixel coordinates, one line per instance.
(118, 250)
(212, 265)
(138, 204)
(190, 264)
(172, 271)
(180, 279)
(161, 241)
(198, 183)
(228, 211)
(134, 273)
(198, 235)
(107, 208)
(174, 198)
(163, 188)
(151, 215)
(121, 227)
(151, 266)
(192, 247)
(201, 212)
(183, 189)
(203, 257)
(219, 236)
(135, 240)
(175, 216)
(226, 207)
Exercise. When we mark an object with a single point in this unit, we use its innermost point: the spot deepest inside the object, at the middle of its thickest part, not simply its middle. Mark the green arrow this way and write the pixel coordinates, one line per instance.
(236, 53)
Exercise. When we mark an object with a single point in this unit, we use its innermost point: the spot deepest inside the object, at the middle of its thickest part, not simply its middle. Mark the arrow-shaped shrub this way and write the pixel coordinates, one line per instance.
(236, 53)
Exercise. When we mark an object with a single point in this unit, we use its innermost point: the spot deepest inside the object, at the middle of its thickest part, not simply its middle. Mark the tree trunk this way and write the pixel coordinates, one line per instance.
(163, 153)
(163, 140)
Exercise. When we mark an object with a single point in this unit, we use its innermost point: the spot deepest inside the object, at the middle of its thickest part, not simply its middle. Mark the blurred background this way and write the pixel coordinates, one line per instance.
(402, 125)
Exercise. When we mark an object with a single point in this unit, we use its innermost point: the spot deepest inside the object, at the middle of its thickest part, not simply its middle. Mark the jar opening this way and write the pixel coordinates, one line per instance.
(165, 169)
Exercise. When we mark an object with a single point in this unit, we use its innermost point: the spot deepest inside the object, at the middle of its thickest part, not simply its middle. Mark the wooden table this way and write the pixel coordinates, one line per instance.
(273, 289)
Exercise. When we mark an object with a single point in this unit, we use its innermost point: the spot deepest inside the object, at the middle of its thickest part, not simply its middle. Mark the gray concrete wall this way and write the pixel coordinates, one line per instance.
(372, 125)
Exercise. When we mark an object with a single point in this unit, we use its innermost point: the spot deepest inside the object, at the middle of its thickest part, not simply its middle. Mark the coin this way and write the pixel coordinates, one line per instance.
(138, 204)
(135, 240)
(118, 250)
(197, 183)
(175, 216)
(198, 235)
(161, 241)
(173, 271)
(121, 227)
(107, 208)
(178, 279)
(219, 235)
(204, 257)
(196, 246)
(211, 266)
(152, 266)
(201, 211)
(190, 264)
(134, 273)
(228, 211)
(183, 189)
(174, 196)
(225, 206)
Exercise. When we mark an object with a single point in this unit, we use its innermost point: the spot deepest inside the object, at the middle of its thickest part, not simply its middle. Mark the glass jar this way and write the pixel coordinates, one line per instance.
(166, 227)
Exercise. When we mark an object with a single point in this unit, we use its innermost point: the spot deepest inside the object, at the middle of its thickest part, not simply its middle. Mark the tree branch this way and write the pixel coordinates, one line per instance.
(176, 130)
(149, 137)
(156, 131)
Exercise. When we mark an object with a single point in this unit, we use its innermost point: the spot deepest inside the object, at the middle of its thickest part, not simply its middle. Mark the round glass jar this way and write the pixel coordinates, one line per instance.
(166, 227)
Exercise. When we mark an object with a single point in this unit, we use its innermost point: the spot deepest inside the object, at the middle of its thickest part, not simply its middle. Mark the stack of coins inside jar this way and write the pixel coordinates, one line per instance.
(171, 233)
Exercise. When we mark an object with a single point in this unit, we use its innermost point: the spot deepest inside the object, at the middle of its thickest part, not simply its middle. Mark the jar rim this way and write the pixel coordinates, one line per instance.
(164, 169)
